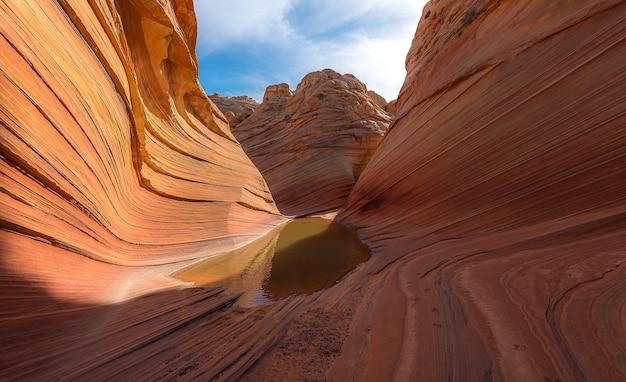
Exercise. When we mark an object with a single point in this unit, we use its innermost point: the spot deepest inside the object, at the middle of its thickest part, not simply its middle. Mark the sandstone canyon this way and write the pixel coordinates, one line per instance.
(312, 144)
(494, 206)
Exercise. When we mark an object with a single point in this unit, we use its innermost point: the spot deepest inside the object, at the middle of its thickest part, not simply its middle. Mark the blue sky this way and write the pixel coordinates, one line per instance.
(245, 45)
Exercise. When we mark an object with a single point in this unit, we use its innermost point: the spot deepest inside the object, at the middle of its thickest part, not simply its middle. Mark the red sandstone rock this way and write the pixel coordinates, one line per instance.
(111, 151)
(390, 107)
(312, 144)
(236, 109)
(379, 100)
(110, 148)
(495, 204)
(494, 207)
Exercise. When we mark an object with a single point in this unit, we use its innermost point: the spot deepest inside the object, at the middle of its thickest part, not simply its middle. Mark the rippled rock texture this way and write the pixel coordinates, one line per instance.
(311, 145)
(110, 148)
(236, 109)
(495, 204)
(112, 155)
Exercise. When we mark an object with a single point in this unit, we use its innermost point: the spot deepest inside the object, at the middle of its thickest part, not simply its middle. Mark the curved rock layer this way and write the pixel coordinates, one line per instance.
(312, 144)
(496, 203)
(110, 148)
(495, 208)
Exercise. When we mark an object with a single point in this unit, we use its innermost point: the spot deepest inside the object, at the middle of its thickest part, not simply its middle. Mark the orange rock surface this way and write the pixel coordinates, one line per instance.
(110, 148)
(312, 144)
(112, 155)
(495, 204)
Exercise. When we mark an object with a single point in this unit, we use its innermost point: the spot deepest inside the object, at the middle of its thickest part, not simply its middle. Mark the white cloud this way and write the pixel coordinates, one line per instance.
(379, 63)
(373, 15)
(222, 23)
(367, 38)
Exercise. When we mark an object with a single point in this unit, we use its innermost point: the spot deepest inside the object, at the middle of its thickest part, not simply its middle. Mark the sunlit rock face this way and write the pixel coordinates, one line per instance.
(311, 144)
(495, 203)
(494, 206)
(110, 147)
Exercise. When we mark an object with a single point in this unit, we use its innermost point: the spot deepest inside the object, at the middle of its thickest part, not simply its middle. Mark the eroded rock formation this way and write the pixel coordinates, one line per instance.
(495, 204)
(110, 148)
(111, 155)
(312, 144)
(236, 109)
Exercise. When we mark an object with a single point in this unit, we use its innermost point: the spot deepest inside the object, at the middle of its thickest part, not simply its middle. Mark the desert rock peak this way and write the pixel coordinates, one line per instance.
(377, 98)
(274, 93)
(110, 146)
(321, 136)
(236, 108)
(390, 107)
(317, 77)
(494, 206)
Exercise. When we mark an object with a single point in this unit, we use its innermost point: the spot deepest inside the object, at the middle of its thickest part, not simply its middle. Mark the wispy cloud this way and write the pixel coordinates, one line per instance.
(242, 43)
(373, 17)
(223, 23)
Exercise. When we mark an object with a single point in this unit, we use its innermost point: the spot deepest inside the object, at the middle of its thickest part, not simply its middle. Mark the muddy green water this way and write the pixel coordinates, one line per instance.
(302, 257)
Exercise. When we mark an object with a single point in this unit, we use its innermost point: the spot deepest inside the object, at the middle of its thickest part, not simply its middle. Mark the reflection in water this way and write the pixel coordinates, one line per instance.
(301, 257)
(312, 254)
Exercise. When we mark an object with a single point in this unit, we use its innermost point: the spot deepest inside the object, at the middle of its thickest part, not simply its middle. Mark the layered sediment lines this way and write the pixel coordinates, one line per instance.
(312, 144)
(496, 204)
(110, 148)
(112, 155)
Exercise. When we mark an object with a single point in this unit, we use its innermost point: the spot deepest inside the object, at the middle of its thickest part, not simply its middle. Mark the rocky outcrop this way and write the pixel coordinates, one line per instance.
(312, 144)
(111, 155)
(495, 204)
(379, 100)
(236, 109)
(390, 107)
(110, 148)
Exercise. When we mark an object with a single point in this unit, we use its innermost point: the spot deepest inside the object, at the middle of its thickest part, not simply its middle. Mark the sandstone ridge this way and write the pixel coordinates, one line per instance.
(111, 155)
(110, 147)
(235, 109)
(311, 144)
(494, 205)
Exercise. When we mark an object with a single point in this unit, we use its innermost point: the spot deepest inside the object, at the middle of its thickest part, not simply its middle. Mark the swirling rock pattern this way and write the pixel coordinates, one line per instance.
(112, 155)
(110, 148)
(495, 205)
(312, 144)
